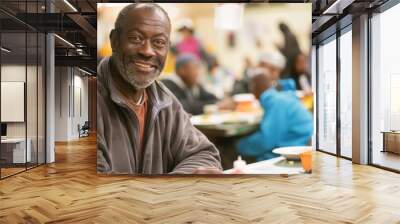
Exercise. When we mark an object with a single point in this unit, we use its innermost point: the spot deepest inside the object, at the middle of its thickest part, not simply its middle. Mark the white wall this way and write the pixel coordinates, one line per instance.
(61, 103)
(71, 93)
(16, 73)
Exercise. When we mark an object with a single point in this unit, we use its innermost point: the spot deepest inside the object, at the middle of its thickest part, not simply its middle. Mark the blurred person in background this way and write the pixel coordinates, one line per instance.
(286, 122)
(290, 49)
(301, 73)
(275, 63)
(219, 80)
(242, 85)
(185, 86)
(189, 43)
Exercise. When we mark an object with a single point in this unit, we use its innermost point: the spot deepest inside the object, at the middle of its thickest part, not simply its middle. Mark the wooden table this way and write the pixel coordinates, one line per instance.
(225, 128)
(228, 124)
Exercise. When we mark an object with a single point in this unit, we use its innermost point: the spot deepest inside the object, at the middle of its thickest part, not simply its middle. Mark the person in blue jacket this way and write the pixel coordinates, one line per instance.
(286, 122)
(275, 63)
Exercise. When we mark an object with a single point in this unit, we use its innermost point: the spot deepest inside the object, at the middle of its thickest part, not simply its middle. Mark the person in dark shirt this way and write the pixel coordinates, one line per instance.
(185, 86)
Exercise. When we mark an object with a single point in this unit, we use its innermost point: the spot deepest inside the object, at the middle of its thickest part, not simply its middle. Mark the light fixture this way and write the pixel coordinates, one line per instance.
(70, 5)
(84, 71)
(228, 16)
(64, 40)
(5, 50)
(337, 7)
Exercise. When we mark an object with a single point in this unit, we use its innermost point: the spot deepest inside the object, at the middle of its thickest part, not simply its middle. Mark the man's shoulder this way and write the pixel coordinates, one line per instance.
(287, 84)
(287, 97)
(281, 97)
(162, 86)
(103, 73)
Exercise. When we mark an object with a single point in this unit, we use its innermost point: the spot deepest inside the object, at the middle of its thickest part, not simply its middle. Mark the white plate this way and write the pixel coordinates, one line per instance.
(206, 120)
(292, 152)
(227, 118)
(271, 166)
(243, 97)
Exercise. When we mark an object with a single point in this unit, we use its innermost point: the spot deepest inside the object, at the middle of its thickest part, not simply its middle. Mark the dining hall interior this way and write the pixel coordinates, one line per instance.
(298, 98)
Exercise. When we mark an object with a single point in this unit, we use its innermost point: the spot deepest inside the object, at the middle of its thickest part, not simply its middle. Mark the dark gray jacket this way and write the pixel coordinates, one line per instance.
(171, 145)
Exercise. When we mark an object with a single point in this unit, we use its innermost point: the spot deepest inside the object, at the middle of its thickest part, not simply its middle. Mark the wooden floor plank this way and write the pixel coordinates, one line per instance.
(70, 191)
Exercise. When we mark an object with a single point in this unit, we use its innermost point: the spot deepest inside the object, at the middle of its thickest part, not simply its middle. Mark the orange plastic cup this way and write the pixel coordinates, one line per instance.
(244, 106)
(306, 161)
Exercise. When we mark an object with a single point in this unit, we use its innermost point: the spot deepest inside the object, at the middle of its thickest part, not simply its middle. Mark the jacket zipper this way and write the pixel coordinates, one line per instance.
(136, 146)
(154, 113)
(149, 128)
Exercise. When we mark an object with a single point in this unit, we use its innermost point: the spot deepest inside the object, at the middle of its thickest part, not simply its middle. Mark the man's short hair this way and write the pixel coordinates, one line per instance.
(274, 58)
(123, 13)
(184, 59)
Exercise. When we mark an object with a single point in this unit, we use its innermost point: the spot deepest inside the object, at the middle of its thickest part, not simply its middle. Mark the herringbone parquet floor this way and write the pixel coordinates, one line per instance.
(70, 191)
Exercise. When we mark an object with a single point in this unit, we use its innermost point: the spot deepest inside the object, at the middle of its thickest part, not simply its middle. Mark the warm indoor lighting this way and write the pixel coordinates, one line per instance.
(228, 16)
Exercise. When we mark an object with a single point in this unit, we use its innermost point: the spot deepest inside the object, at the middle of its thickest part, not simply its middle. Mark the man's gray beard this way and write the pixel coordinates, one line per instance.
(130, 76)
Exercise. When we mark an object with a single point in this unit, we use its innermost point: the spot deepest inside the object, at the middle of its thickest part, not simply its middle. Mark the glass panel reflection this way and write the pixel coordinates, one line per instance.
(15, 149)
(327, 96)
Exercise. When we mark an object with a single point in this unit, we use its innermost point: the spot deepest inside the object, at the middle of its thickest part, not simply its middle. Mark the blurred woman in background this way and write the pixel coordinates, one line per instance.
(301, 73)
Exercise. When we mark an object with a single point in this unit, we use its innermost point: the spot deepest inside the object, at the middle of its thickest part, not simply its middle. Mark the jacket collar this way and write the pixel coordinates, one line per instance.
(267, 96)
(158, 96)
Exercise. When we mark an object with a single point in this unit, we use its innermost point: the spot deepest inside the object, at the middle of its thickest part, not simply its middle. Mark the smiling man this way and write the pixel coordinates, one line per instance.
(142, 128)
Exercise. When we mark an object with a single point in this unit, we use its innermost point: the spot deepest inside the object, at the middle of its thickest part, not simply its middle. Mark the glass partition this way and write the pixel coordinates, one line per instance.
(346, 93)
(15, 150)
(327, 96)
(385, 89)
(22, 89)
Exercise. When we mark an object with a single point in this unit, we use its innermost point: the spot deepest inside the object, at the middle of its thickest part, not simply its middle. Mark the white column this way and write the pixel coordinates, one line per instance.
(50, 93)
(360, 90)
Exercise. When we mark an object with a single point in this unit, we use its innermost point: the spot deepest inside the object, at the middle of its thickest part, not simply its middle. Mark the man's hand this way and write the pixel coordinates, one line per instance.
(207, 170)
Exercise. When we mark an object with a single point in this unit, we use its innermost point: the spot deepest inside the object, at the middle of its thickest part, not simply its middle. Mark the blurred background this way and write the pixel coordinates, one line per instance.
(252, 29)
